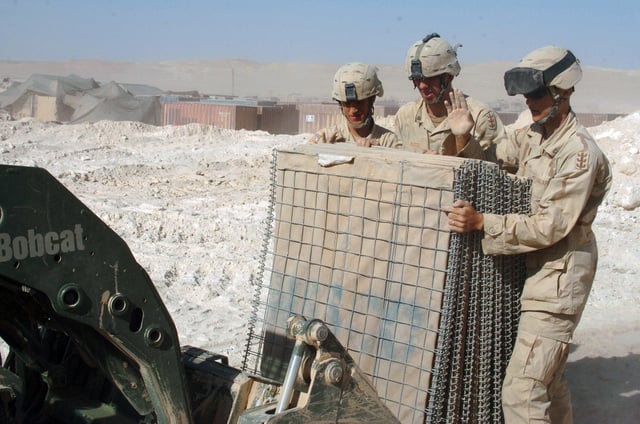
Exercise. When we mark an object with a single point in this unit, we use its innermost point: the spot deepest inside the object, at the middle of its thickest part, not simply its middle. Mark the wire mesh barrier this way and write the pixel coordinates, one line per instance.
(481, 306)
(357, 238)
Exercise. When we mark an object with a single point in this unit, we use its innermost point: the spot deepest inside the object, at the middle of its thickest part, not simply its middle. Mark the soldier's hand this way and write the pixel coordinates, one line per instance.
(363, 142)
(459, 117)
(463, 217)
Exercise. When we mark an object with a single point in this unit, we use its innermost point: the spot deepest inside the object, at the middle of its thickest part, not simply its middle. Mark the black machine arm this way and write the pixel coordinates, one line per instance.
(65, 274)
(91, 340)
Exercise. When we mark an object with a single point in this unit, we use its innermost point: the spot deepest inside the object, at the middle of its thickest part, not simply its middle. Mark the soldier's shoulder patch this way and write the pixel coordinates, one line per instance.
(493, 124)
(582, 160)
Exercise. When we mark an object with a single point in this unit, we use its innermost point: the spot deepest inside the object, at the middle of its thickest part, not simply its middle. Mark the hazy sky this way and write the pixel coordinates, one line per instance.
(600, 33)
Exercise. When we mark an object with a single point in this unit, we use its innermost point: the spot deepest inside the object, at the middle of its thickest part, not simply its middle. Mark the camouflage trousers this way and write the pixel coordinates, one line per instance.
(535, 389)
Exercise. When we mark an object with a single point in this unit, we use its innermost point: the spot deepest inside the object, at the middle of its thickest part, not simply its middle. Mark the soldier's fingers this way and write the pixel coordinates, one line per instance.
(455, 104)
(454, 99)
(462, 102)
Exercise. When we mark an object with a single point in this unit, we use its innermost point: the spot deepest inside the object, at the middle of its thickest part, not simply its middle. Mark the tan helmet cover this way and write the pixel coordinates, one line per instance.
(436, 57)
(356, 81)
(544, 57)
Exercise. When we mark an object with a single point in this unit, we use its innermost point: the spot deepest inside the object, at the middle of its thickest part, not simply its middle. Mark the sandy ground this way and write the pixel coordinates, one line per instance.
(190, 201)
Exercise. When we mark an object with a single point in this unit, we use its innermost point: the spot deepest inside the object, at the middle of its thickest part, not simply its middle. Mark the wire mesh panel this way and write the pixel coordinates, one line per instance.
(357, 238)
(362, 246)
(481, 305)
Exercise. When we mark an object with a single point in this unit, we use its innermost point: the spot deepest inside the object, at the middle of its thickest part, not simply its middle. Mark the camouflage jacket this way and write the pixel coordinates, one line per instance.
(418, 133)
(570, 177)
(339, 133)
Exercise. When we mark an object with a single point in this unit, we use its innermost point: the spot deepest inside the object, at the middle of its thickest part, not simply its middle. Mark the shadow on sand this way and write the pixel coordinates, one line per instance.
(605, 390)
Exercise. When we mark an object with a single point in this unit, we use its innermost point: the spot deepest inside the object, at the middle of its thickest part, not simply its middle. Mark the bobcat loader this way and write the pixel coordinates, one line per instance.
(92, 342)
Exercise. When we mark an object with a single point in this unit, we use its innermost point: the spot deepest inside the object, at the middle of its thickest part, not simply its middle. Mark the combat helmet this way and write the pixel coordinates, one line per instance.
(549, 66)
(432, 56)
(356, 81)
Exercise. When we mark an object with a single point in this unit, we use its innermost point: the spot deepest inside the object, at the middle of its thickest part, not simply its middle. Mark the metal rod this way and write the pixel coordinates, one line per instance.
(290, 378)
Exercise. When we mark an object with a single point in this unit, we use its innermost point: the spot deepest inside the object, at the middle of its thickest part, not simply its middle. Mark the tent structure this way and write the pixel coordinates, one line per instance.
(75, 99)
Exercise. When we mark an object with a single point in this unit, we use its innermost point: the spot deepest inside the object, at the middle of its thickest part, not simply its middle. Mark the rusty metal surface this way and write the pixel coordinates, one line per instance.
(222, 116)
(279, 119)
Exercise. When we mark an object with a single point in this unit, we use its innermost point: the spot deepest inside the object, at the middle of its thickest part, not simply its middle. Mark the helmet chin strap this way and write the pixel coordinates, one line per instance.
(363, 124)
(368, 120)
(554, 109)
(443, 89)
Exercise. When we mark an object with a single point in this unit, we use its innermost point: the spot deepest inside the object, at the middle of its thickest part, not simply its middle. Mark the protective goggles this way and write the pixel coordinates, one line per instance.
(350, 93)
(528, 80)
(416, 65)
(416, 69)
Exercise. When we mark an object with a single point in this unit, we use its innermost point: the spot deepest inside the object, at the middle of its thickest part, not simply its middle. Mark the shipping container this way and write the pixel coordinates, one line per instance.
(222, 116)
(586, 119)
(278, 119)
(316, 116)
(592, 119)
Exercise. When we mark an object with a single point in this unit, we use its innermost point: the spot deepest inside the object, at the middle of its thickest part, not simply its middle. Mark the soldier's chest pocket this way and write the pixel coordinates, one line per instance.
(540, 167)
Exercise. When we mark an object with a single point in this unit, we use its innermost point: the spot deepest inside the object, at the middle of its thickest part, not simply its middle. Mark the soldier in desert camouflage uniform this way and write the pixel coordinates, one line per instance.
(444, 120)
(570, 177)
(355, 87)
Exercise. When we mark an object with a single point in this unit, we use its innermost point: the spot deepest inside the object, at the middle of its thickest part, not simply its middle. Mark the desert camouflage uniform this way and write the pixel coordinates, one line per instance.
(339, 133)
(570, 177)
(418, 133)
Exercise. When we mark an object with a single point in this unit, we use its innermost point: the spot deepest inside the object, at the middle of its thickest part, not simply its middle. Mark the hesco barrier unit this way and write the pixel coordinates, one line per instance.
(357, 237)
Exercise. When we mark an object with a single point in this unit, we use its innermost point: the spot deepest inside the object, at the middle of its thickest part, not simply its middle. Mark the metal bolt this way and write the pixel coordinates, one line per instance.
(333, 372)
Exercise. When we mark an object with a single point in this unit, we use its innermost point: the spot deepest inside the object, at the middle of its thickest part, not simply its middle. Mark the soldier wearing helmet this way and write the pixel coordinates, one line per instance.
(355, 87)
(444, 120)
(570, 177)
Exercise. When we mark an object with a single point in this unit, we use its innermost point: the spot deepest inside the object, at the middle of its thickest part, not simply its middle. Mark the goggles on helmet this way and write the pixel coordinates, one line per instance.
(350, 92)
(537, 94)
(528, 80)
(416, 69)
(416, 64)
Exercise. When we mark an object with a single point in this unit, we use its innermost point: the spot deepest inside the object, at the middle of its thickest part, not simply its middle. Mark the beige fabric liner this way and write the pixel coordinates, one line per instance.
(363, 247)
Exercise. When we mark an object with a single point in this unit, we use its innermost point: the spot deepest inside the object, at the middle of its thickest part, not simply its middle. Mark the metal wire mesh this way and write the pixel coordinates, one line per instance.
(481, 307)
(367, 251)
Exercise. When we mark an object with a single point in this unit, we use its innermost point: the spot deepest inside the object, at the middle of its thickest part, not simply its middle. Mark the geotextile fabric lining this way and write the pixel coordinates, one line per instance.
(357, 238)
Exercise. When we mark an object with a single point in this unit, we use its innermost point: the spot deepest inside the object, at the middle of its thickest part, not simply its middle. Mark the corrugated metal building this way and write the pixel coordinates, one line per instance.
(586, 119)
(301, 118)
(314, 117)
(278, 119)
(222, 116)
(594, 119)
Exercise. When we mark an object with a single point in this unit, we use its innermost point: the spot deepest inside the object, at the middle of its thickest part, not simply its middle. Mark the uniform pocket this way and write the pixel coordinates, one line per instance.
(581, 269)
(545, 284)
(537, 357)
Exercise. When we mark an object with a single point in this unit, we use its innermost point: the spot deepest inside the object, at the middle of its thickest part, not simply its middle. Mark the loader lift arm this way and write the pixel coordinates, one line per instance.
(68, 281)
(92, 342)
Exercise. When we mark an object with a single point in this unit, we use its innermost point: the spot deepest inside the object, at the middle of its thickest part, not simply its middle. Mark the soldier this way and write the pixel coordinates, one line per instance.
(444, 120)
(355, 87)
(570, 177)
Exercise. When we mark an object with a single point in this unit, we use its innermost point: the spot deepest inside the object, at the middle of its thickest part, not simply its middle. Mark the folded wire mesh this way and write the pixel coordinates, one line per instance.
(362, 244)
